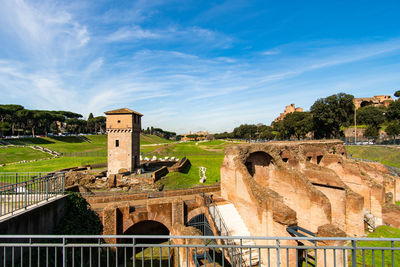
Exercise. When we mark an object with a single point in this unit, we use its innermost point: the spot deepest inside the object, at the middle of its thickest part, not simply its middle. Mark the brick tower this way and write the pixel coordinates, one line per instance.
(123, 129)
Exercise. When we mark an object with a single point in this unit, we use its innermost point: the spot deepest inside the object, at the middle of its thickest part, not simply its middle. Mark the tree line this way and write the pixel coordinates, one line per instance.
(159, 132)
(16, 120)
(327, 118)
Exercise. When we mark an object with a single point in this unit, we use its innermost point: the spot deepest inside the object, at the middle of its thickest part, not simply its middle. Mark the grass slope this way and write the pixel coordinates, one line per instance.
(148, 139)
(388, 155)
(66, 144)
(53, 164)
(15, 154)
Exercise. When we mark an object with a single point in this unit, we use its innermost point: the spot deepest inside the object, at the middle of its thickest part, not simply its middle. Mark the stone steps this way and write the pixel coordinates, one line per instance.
(236, 227)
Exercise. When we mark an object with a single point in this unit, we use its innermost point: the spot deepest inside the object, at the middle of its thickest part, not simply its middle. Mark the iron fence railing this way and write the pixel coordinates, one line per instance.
(18, 177)
(235, 254)
(123, 250)
(28, 189)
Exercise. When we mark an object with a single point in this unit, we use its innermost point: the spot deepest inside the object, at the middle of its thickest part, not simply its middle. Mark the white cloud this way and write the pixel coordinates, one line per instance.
(270, 52)
(132, 33)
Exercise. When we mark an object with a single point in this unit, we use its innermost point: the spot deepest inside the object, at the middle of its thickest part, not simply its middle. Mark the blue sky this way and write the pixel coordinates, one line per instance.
(195, 65)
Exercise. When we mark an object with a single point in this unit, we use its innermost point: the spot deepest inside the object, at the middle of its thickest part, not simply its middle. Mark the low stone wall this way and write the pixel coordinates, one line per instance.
(180, 166)
(158, 174)
(104, 198)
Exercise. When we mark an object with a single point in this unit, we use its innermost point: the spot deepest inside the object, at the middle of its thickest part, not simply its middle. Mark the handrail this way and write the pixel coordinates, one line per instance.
(22, 194)
(237, 257)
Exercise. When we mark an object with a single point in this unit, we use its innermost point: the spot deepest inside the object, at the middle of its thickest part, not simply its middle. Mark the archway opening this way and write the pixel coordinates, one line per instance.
(365, 103)
(143, 254)
(148, 227)
(257, 162)
(200, 222)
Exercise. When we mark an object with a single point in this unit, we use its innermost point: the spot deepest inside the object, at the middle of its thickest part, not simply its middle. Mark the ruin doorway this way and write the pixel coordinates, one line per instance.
(200, 222)
(148, 227)
(260, 165)
(142, 253)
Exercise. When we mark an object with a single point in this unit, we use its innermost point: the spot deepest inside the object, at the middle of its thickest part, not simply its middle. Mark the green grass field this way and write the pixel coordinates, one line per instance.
(201, 154)
(387, 155)
(380, 232)
(15, 154)
(66, 144)
(53, 164)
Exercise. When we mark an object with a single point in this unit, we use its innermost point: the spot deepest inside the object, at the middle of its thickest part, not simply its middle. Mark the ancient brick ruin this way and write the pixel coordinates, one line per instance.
(310, 184)
(378, 100)
(288, 109)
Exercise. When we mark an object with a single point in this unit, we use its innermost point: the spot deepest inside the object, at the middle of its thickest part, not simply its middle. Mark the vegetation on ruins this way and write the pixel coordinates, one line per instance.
(78, 218)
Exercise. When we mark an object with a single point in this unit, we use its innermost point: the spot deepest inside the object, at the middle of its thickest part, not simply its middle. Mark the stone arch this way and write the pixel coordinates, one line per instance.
(365, 103)
(194, 213)
(148, 227)
(260, 165)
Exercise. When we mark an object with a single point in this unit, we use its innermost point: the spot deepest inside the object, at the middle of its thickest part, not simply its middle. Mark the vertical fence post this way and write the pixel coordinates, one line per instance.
(63, 182)
(353, 253)
(278, 253)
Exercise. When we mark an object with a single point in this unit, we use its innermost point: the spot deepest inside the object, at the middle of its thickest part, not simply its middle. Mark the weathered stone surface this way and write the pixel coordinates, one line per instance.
(310, 183)
(391, 215)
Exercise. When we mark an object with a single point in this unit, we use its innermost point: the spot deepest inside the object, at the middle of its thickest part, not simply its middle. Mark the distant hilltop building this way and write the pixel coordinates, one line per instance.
(289, 109)
(123, 130)
(201, 135)
(378, 100)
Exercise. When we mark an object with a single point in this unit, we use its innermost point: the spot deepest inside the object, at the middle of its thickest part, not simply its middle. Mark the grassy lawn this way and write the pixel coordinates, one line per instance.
(74, 144)
(66, 144)
(15, 154)
(202, 154)
(146, 139)
(383, 154)
(52, 164)
(191, 176)
(380, 232)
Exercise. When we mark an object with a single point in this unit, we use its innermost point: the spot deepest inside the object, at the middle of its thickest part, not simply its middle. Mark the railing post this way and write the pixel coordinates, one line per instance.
(63, 182)
(26, 195)
(47, 188)
(278, 253)
(354, 253)
(64, 256)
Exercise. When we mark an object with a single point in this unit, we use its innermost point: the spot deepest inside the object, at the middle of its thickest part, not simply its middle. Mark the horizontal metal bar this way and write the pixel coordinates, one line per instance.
(106, 245)
(199, 237)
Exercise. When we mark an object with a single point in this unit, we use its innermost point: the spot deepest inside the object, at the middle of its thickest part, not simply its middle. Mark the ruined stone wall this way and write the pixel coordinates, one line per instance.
(378, 100)
(313, 180)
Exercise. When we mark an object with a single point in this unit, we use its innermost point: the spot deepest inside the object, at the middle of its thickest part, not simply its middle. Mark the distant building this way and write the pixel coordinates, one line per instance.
(202, 135)
(123, 130)
(378, 100)
(289, 109)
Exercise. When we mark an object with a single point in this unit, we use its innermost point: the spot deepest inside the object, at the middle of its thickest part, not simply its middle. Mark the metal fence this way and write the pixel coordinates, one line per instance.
(23, 190)
(235, 254)
(195, 251)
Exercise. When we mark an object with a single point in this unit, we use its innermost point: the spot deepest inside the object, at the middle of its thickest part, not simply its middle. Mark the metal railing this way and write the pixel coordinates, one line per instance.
(235, 254)
(28, 189)
(36, 250)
